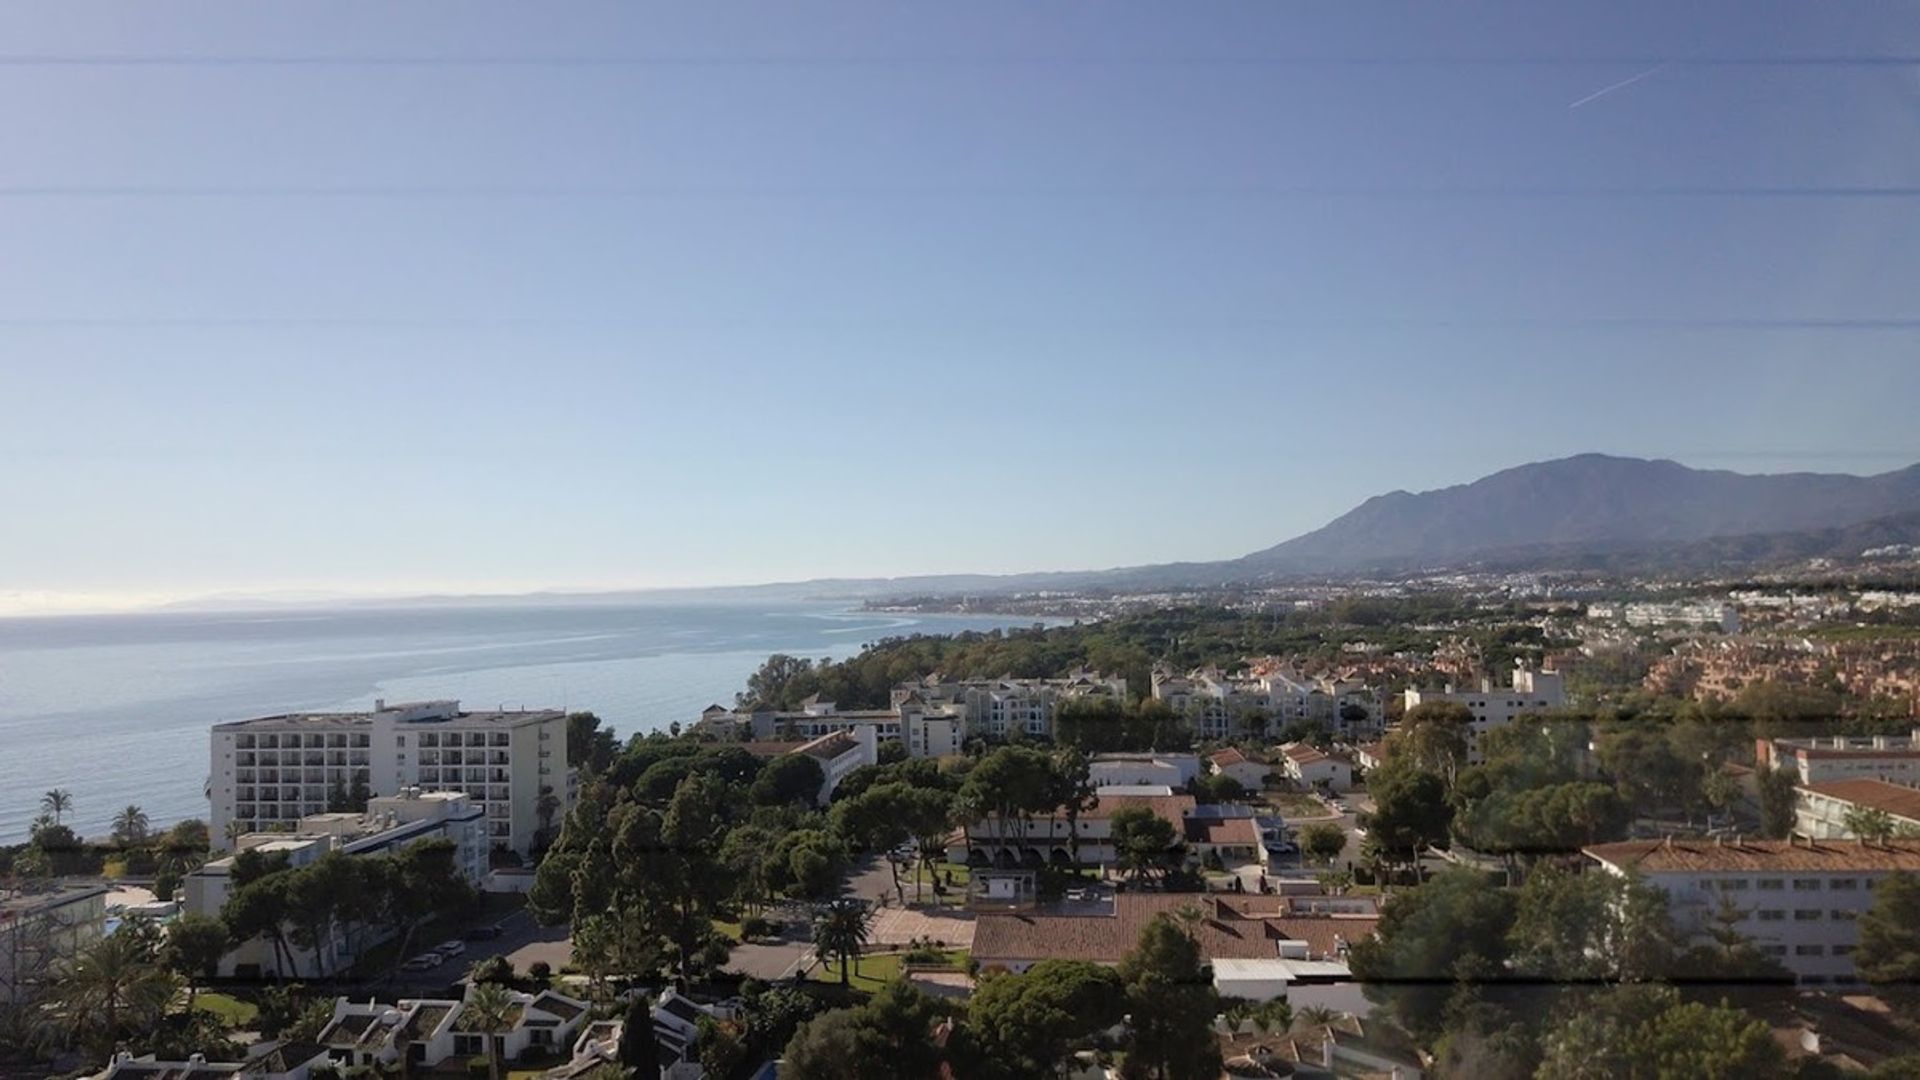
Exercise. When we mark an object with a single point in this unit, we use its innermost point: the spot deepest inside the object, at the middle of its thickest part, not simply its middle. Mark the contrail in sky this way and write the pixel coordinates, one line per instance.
(1621, 85)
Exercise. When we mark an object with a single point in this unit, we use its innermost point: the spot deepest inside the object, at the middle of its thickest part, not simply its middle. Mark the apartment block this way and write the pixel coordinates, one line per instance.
(1495, 706)
(1270, 696)
(270, 772)
(1821, 810)
(1823, 758)
(1801, 899)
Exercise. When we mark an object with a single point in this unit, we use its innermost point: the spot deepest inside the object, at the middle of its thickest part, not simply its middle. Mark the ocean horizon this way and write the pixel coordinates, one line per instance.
(116, 708)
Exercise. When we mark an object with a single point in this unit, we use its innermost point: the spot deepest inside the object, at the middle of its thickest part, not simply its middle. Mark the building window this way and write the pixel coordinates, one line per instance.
(1809, 950)
(1841, 883)
(1735, 884)
(1771, 915)
(1772, 884)
(1842, 915)
(1807, 915)
(1806, 884)
(1843, 950)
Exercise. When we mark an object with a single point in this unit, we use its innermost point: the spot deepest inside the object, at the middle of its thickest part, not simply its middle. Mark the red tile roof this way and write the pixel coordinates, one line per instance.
(1896, 799)
(1236, 832)
(1832, 856)
(1233, 927)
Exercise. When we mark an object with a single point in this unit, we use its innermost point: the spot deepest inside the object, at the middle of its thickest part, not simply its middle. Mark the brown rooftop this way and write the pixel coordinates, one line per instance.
(1896, 799)
(1233, 927)
(1833, 856)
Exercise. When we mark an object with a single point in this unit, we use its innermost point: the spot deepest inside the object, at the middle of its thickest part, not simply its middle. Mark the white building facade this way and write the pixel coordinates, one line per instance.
(269, 773)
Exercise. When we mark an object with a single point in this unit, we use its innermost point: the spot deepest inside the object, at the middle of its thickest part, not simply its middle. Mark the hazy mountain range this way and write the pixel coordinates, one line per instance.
(1588, 512)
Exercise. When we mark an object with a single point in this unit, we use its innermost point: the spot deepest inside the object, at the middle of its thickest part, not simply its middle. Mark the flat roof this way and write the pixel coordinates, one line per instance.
(343, 720)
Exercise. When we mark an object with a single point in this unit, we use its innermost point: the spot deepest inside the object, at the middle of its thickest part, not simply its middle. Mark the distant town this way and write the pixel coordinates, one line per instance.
(1327, 819)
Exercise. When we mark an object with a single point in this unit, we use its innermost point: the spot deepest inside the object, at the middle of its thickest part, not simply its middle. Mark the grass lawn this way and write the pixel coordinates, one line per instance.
(231, 1010)
(878, 969)
(730, 930)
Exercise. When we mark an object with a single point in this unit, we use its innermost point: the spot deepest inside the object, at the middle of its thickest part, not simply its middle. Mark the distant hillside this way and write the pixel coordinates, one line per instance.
(1588, 506)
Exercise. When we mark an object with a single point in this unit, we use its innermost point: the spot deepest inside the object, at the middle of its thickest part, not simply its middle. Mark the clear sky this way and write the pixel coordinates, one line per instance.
(375, 297)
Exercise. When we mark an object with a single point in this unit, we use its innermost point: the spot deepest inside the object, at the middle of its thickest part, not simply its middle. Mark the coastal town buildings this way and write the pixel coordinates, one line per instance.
(1269, 696)
(281, 1060)
(1174, 770)
(272, 771)
(1248, 770)
(932, 716)
(1800, 899)
(839, 752)
(1312, 768)
(1710, 613)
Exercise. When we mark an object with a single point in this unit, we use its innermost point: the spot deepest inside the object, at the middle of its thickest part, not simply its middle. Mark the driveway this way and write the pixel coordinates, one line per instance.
(897, 926)
(770, 961)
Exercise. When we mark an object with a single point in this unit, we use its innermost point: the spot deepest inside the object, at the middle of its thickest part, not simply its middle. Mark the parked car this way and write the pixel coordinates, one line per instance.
(424, 962)
(450, 948)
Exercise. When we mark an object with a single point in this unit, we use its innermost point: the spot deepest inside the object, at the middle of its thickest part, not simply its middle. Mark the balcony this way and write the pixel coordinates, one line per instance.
(499, 738)
(245, 776)
(243, 758)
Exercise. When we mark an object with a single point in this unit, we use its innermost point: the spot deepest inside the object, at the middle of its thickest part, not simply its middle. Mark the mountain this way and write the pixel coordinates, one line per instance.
(1590, 504)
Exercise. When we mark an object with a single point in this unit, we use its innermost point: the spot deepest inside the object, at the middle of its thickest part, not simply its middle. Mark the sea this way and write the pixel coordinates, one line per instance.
(115, 708)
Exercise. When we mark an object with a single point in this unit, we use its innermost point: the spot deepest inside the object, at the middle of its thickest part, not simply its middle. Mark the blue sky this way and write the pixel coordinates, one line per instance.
(372, 297)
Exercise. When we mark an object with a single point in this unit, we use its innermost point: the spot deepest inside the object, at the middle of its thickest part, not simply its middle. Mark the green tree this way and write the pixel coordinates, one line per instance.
(1870, 824)
(130, 826)
(840, 929)
(1171, 1004)
(1144, 843)
(1776, 802)
(1649, 1033)
(639, 1046)
(888, 1038)
(110, 989)
(1452, 928)
(1323, 842)
(789, 778)
(489, 1012)
(195, 944)
(1889, 952)
(1410, 810)
(1027, 1024)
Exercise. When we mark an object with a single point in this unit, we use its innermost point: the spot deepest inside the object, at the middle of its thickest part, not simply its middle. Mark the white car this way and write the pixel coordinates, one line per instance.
(450, 949)
(424, 962)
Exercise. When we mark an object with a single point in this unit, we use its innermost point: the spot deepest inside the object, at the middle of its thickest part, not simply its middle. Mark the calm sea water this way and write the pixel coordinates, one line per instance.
(116, 708)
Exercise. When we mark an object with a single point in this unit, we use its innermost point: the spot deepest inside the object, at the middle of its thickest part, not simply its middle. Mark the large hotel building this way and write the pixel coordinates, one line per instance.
(269, 772)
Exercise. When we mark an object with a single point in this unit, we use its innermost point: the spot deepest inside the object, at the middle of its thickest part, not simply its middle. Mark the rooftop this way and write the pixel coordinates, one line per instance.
(1831, 856)
(1896, 799)
(1232, 927)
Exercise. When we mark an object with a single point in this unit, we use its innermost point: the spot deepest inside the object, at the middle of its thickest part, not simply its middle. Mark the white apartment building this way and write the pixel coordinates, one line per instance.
(1248, 771)
(1218, 706)
(1822, 758)
(1037, 841)
(41, 929)
(1713, 613)
(427, 1032)
(1802, 898)
(1007, 707)
(278, 1060)
(272, 771)
(926, 730)
(1313, 768)
(1820, 810)
(390, 824)
(1496, 707)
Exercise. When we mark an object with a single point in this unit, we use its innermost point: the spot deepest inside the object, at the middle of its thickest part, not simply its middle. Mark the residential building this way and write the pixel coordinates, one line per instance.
(427, 1032)
(1302, 946)
(597, 1047)
(1713, 613)
(1821, 810)
(932, 717)
(272, 771)
(1224, 830)
(1313, 768)
(1122, 770)
(390, 824)
(1248, 770)
(43, 928)
(1269, 697)
(1821, 758)
(1046, 840)
(1007, 707)
(1800, 899)
(676, 1024)
(274, 1061)
(1495, 707)
(1348, 1047)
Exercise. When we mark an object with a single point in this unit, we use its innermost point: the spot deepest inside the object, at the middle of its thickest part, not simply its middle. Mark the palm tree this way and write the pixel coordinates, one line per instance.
(840, 928)
(111, 987)
(490, 1010)
(1313, 1016)
(130, 826)
(235, 831)
(57, 802)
